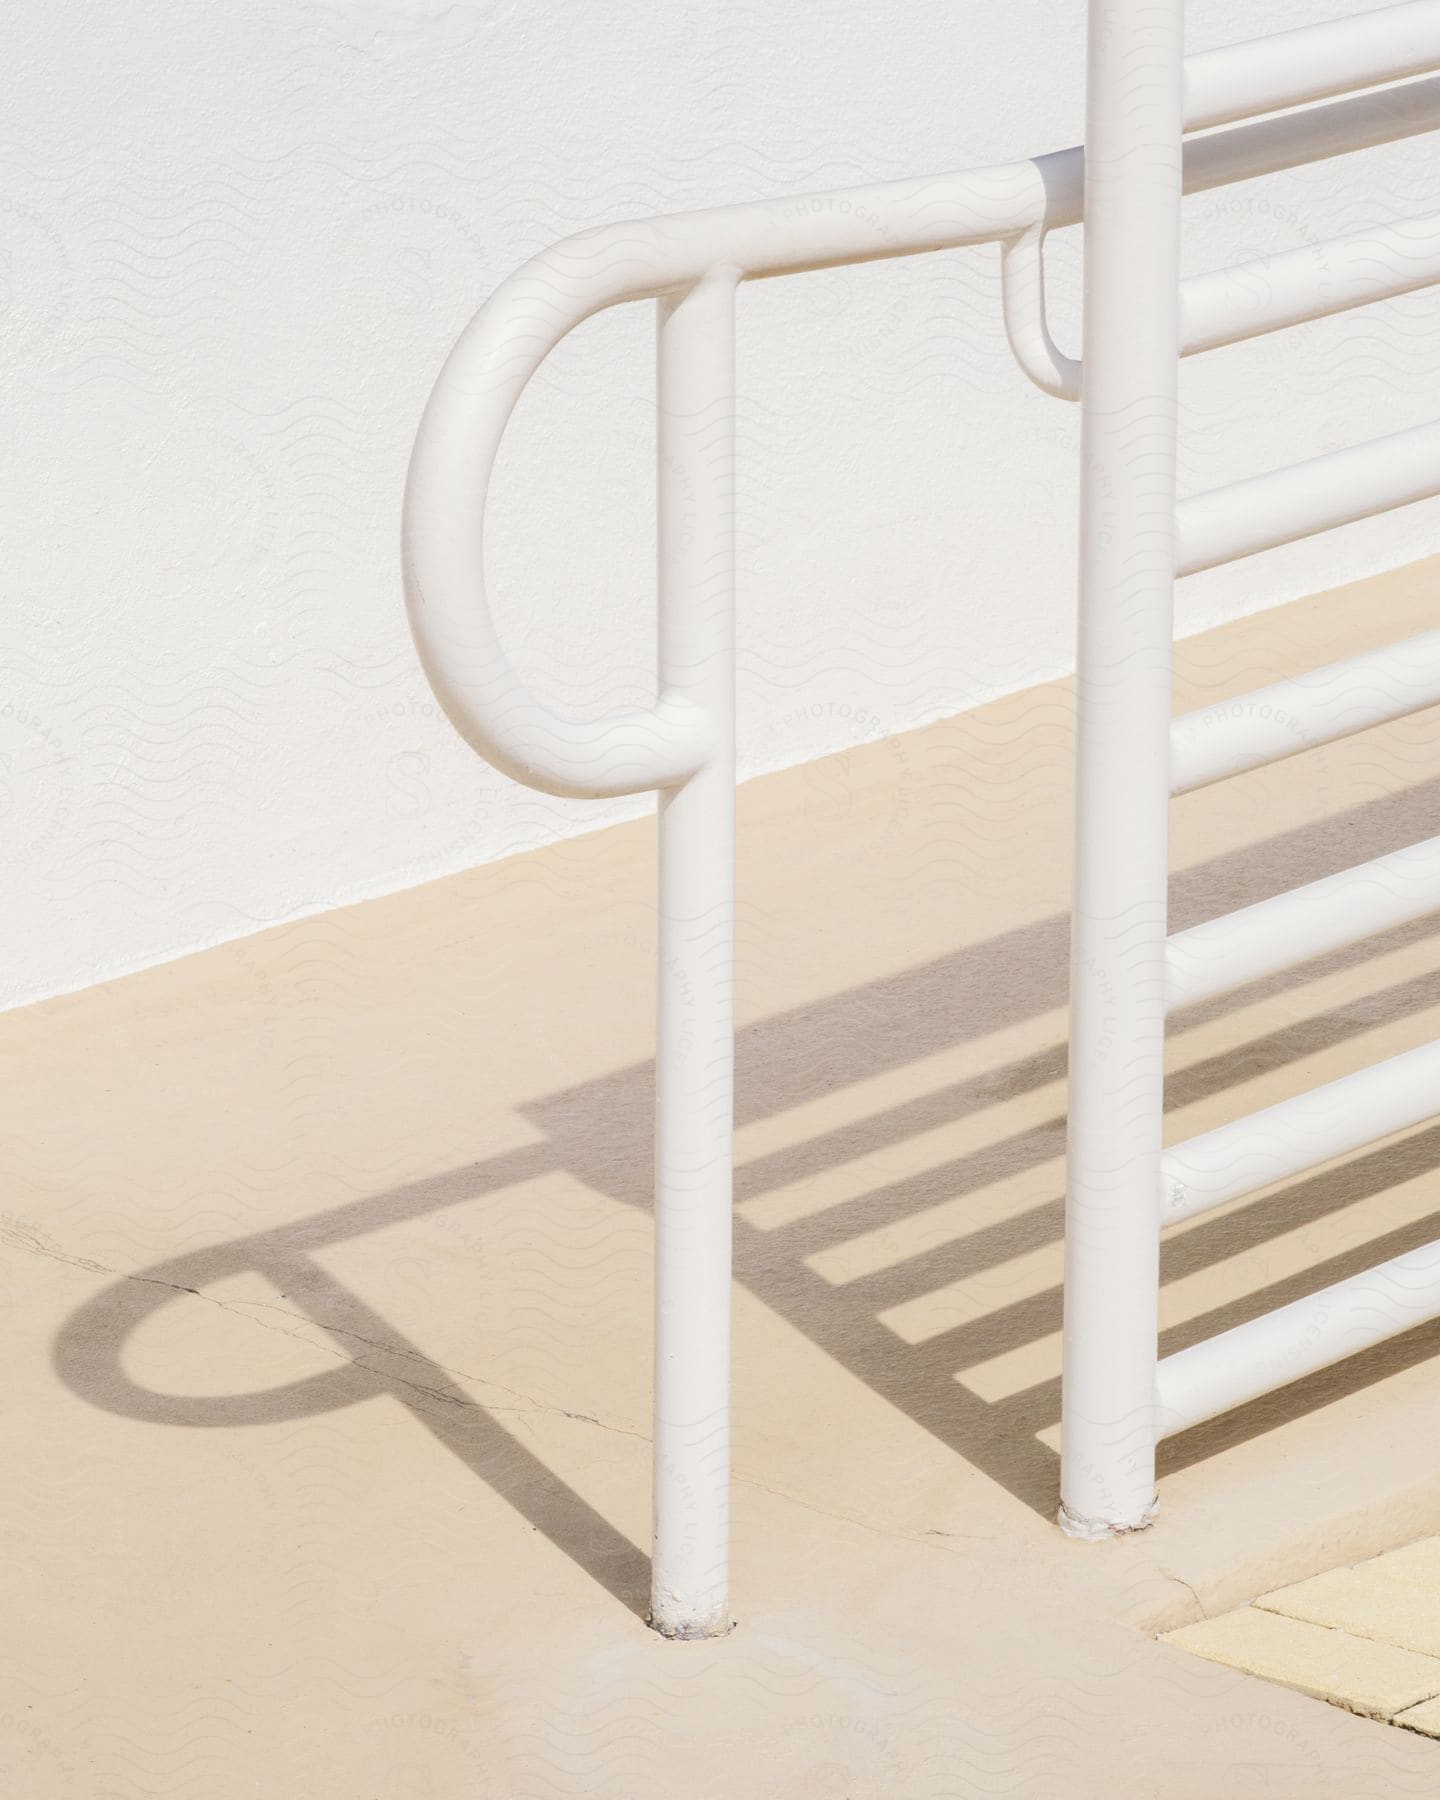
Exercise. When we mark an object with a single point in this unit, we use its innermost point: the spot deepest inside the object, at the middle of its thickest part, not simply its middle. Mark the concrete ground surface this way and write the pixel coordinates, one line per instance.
(328, 1297)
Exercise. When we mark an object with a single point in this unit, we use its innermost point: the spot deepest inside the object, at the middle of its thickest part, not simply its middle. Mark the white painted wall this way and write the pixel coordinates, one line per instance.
(237, 241)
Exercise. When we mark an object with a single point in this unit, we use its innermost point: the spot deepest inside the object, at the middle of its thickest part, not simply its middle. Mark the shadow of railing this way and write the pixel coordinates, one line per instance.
(599, 1133)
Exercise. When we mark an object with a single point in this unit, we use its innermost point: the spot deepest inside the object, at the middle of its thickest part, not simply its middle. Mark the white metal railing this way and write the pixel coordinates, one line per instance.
(1120, 1399)
(1139, 318)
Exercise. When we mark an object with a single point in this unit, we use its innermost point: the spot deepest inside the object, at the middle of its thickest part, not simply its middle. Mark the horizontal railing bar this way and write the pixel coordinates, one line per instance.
(1310, 283)
(1307, 921)
(1298, 1134)
(1295, 1340)
(637, 259)
(1290, 68)
(640, 258)
(1317, 707)
(1308, 497)
(1359, 122)
(906, 218)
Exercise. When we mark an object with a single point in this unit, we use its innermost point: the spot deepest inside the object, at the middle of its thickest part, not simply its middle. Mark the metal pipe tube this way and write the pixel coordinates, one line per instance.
(1247, 300)
(1358, 122)
(1221, 307)
(1308, 921)
(694, 1057)
(1299, 1134)
(1117, 974)
(1295, 1340)
(1290, 68)
(1296, 502)
(1317, 707)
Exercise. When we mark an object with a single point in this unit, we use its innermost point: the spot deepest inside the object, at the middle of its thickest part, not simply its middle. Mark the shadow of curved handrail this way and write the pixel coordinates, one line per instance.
(88, 1356)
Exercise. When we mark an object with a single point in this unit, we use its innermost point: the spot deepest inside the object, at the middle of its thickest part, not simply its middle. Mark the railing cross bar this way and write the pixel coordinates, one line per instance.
(1318, 707)
(1297, 1340)
(1299, 1134)
(1279, 507)
(1291, 928)
(1291, 68)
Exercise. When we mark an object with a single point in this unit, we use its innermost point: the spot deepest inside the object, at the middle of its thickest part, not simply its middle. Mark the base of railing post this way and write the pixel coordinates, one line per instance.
(678, 1623)
(1094, 1531)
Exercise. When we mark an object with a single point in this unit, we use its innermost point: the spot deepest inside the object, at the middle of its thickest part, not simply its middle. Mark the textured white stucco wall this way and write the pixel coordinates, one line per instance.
(236, 240)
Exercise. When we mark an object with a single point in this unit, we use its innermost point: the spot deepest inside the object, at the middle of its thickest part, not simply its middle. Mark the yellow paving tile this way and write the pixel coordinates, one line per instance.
(1417, 1565)
(1366, 1605)
(1357, 1673)
(1424, 1718)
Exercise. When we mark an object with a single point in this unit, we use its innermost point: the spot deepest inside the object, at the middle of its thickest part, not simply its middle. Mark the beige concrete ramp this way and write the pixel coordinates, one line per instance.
(326, 1269)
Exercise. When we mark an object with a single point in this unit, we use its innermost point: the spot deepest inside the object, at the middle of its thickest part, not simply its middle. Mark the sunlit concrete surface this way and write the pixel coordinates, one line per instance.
(328, 1295)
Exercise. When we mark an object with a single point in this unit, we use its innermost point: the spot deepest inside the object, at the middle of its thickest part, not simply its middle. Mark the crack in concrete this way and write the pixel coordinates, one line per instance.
(1170, 1575)
(23, 1237)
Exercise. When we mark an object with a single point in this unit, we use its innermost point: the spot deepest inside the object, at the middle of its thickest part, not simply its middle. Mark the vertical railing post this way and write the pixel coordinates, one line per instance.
(695, 1032)
(1133, 129)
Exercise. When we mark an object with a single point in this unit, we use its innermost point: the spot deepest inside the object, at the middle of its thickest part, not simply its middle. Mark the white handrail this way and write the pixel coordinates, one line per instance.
(1127, 183)
(508, 339)
(684, 745)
